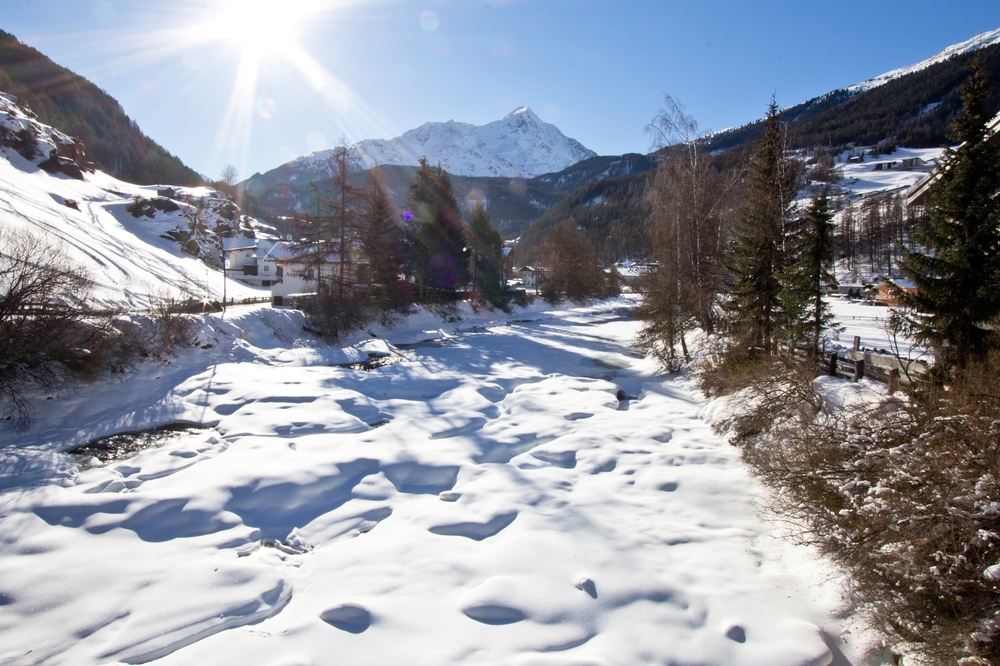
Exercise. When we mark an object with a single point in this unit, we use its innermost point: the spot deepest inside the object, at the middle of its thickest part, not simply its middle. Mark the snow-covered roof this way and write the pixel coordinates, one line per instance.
(232, 244)
(915, 195)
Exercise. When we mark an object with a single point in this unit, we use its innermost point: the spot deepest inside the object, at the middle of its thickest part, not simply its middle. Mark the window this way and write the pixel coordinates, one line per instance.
(267, 269)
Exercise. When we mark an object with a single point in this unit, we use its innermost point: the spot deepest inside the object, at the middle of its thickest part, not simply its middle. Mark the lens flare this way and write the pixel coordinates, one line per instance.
(265, 108)
(429, 21)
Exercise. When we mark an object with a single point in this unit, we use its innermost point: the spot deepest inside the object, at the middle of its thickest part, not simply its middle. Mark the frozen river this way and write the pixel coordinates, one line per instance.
(520, 492)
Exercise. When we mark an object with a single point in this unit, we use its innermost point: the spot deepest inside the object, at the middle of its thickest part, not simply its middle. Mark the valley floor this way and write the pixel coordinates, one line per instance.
(518, 491)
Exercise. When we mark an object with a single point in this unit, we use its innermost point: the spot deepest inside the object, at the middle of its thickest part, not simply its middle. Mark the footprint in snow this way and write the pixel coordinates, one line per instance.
(494, 614)
(352, 618)
(587, 585)
(736, 633)
(475, 530)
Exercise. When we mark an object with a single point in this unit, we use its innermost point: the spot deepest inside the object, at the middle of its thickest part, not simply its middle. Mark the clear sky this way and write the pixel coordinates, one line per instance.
(255, 83)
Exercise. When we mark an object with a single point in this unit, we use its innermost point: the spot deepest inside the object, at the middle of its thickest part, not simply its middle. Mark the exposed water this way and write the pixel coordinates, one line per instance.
(126, 444)
(374, 362)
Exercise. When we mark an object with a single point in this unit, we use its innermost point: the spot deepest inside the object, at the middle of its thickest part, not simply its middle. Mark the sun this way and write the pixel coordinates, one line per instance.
(260, 28)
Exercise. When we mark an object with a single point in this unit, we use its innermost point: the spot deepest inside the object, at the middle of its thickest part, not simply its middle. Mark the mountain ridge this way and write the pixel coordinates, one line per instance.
(63, 99)
(520, 145)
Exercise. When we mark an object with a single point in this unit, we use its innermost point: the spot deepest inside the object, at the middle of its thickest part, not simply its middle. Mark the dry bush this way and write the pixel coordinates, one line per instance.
(48, 336)
(329, 315)
(172, 326)
(904, 492)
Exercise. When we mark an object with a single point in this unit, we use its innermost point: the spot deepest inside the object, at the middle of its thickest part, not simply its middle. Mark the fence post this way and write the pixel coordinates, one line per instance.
(832, 368)
(857, 342)
(859, 369)
(893, 380)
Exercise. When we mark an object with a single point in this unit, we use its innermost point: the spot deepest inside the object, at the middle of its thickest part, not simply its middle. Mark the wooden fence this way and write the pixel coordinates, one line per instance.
(192, 306)
(858, 364)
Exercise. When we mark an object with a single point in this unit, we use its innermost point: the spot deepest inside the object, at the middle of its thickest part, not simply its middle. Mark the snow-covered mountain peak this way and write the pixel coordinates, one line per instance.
(520, 145)
(522, 112)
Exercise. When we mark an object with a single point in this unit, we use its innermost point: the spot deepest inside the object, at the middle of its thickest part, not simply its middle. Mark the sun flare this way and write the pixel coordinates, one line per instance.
(260, 28)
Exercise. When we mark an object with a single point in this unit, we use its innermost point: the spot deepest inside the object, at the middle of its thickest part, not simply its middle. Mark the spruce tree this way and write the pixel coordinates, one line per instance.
(957, 273)
(804, 280)
(758, 246)
(440, 261)
(486, 258)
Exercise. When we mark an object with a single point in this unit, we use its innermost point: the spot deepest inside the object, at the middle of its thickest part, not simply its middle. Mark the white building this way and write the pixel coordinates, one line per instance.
(281, 265)
(243, 260)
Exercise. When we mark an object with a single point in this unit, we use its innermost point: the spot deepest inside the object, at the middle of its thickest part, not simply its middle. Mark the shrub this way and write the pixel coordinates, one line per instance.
(904, 491)
(47, 337)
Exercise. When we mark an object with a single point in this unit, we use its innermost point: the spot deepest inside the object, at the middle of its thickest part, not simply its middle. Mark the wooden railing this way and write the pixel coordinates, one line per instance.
(858, 364)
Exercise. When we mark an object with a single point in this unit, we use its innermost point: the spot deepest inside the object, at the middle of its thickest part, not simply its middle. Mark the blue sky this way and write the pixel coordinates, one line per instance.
(255, 83)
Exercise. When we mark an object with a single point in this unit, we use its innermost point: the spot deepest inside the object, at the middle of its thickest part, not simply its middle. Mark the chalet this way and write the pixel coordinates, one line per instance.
(852, 289)
(632, 271)
(532, 277)
(292, 276)
(241, 260)
(887, 295)
(280, 265)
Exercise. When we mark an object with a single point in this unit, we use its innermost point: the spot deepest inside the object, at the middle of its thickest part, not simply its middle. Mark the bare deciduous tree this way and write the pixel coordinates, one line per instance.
(688, 201)
(46, 337)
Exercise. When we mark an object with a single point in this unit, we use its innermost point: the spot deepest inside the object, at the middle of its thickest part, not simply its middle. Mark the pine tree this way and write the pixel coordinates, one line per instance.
(486, 258)
(804, 280)
(758, 247)
(440, 255)
(957, 274)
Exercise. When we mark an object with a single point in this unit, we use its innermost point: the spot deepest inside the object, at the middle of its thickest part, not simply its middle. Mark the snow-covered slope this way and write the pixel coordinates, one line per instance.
(979, 41)
(131, 260)
(518, 146)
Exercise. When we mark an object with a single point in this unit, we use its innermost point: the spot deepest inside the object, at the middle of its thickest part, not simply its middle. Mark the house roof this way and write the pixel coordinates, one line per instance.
(232, 244)
(915, 195)
(287, 252)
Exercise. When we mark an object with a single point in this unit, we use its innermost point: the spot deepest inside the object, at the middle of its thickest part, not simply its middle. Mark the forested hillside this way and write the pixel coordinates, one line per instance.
(77, 107)
(913, 111)
(513, 203)
(610, 212)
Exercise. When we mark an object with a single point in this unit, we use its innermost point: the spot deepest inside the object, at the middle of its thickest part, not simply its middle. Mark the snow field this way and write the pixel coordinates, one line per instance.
(524, 492)
(127, 259)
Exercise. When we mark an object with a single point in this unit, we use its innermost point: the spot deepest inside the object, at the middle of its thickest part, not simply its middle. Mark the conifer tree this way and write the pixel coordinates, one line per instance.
(315, 234)
(957, 274)
(384, 252)
(344, 209)
(759, 244)
(440, 260)
(804, 279)
(486, 258)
